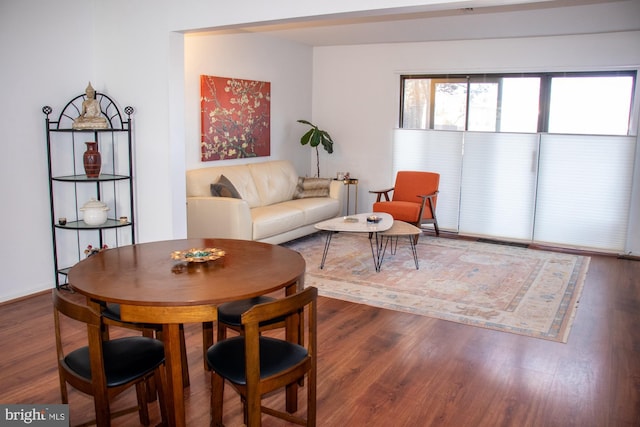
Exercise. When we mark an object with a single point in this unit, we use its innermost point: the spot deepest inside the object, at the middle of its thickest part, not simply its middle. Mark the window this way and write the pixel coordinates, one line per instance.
(579, 103)
(598, 105)
(546, 158)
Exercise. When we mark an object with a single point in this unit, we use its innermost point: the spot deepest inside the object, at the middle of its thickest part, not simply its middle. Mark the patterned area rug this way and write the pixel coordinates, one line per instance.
(506, 288)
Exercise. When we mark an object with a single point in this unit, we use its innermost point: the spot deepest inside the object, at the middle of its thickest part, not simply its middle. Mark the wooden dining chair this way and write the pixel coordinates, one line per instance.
(415, 194)
(230, 314)
(104, 369)
(256, 364)
(111, 317)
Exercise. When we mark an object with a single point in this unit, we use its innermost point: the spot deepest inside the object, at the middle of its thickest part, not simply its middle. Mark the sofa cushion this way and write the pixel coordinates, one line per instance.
(275, 181)
(312, 187)
(315, 209)
(199, 182)
(224, 188)
(275, 219)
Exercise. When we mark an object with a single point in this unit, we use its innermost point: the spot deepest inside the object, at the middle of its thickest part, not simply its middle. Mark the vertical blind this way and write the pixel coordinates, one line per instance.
(434, 151)
(584, 190)
(498, 184)
(565, 190)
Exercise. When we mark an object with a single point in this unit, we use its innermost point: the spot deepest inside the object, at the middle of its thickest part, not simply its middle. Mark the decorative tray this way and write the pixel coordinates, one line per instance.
(350, 219)
(197, 255)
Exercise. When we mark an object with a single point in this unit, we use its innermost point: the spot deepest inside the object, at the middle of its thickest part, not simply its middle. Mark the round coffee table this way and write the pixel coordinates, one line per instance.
(357, 224)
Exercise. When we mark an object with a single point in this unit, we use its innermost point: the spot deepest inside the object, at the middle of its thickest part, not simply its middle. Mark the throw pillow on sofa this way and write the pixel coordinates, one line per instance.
(224, 188)
(312, 187)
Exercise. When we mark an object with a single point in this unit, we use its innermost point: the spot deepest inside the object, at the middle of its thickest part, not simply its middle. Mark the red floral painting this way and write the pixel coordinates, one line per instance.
(235, 118)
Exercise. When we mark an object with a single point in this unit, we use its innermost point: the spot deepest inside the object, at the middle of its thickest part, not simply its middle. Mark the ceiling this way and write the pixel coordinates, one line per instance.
(444, 21)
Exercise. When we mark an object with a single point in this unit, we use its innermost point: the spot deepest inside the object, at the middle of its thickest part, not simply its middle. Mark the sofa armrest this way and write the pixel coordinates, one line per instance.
(336, 191)
(220, 217)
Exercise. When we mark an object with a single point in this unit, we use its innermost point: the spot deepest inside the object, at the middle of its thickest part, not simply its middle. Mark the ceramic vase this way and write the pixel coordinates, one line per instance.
(92, 160)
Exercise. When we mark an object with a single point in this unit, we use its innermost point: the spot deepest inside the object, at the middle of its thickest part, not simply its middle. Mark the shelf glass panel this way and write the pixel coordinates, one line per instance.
(85, 178)
(80, 225)
(88, 130)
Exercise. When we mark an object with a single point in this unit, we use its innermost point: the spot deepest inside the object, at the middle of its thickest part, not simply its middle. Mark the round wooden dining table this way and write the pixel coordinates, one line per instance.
(151, 287)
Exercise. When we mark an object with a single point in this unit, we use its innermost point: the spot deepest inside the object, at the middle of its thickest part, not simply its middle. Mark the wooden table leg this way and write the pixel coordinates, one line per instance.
(207, 341)
(175, 392)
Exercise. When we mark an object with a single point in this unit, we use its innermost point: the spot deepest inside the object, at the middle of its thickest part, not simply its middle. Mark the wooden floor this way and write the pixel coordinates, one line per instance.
(384, 368)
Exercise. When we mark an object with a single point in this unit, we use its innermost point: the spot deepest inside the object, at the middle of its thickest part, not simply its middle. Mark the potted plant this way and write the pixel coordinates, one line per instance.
(314, 137)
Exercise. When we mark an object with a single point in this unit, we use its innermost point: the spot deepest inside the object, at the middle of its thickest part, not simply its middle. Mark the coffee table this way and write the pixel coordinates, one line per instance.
(357, 224)
(401, 228)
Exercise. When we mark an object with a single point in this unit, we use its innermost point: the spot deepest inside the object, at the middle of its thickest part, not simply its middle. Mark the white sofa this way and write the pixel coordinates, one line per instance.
(267, 210)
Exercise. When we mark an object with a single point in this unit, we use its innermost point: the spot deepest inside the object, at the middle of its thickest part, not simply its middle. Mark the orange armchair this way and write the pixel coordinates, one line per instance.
(414, 198)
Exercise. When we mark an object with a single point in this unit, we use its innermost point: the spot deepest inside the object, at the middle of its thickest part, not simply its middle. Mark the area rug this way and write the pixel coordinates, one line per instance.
(501, 287)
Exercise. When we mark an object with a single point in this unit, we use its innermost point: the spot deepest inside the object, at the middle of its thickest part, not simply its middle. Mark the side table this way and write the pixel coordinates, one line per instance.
(351, 182)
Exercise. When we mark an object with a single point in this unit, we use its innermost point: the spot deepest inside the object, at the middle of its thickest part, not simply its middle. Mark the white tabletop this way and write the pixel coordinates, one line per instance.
(357, 223)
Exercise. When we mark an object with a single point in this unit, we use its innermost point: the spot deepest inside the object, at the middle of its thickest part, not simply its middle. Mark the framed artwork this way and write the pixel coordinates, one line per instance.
(236, 117)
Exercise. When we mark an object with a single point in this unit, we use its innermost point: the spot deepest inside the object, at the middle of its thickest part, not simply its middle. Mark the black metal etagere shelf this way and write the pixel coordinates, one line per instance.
(70, 187)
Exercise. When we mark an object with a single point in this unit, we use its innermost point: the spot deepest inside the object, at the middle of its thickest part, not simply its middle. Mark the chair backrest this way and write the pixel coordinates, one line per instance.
(79, 312)
(293, 309)
(84, 366)
(97, 384)
(74, 310)
(409, 184)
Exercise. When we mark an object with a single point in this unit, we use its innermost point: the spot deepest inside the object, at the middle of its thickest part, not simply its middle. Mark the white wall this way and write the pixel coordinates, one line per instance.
(43, 63)
(50, 51)
(286, 65)
(356, 88)
(133, 60)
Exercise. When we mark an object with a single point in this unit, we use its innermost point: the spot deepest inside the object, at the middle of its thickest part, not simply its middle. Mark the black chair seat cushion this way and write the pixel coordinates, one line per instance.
(227, 357)
(112, 311)
(125, 359)
(230, 313)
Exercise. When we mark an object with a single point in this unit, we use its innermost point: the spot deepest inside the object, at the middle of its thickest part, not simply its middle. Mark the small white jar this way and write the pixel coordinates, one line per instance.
(95, 212)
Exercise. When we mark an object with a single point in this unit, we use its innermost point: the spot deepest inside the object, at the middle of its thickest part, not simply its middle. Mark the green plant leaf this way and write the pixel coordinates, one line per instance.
(325, 135)
(316, 138)
(307, 123)
(306, 137)
(328, 145)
